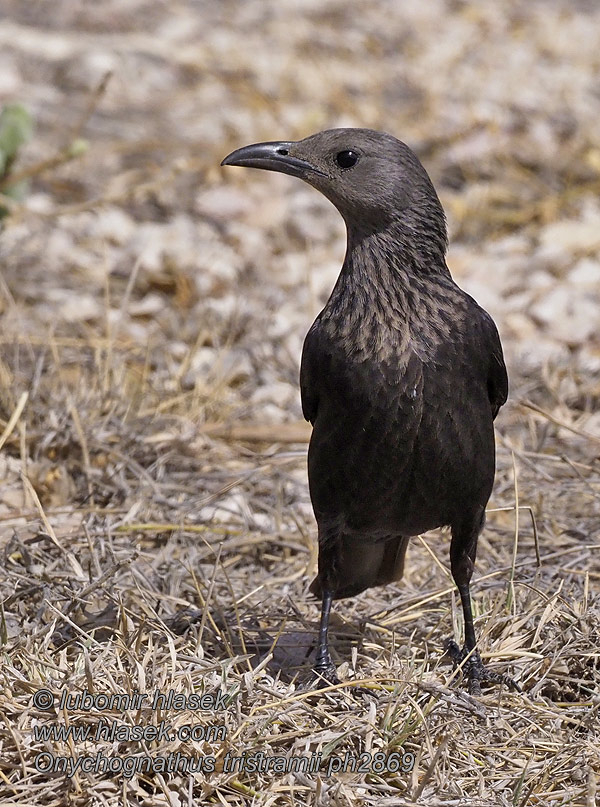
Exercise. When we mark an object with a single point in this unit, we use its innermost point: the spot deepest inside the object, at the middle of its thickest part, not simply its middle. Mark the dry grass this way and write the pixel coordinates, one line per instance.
(112, 584)
(155, 529)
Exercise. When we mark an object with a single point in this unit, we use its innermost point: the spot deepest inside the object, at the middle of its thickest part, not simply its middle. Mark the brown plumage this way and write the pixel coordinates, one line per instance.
(402, 375)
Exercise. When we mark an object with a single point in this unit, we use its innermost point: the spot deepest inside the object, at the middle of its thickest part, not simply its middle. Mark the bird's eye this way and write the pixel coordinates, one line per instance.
(346, 159)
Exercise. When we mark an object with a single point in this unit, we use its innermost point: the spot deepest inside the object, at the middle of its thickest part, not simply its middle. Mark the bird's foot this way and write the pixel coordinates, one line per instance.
(322, 676)
(475, 670)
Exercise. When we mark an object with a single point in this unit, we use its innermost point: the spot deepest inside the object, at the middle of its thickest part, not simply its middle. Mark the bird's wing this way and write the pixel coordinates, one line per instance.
(309, 380)
(497, 381)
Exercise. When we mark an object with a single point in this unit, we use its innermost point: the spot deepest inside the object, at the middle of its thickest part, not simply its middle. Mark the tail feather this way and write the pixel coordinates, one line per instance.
(362, 564)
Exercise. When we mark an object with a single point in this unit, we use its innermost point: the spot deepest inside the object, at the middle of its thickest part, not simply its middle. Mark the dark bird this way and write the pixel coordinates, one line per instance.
(402, 376)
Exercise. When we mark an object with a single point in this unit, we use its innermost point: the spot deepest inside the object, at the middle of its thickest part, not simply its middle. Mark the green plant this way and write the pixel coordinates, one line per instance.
(16, 128)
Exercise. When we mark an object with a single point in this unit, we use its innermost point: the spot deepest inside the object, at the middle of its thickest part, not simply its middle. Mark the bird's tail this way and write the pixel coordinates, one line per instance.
(362, 564)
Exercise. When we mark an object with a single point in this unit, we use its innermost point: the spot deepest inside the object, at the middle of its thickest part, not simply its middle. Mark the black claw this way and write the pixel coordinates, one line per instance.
(320, 678)
(324, 676)
(475, 670)
(453, 651)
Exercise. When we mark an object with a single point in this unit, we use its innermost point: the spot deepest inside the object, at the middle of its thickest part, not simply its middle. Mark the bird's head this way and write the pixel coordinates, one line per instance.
(371, 177)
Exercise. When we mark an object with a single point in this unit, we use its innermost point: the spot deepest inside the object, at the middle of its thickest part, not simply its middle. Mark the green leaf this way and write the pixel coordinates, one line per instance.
(16, 128)
(78, 147)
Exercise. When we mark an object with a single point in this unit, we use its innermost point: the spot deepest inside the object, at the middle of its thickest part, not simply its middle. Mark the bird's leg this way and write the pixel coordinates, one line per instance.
(463, 550)
(324, 667)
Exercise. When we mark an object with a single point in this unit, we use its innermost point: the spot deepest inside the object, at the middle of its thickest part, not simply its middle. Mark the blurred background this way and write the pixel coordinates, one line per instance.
(153, 308)
(500, 101)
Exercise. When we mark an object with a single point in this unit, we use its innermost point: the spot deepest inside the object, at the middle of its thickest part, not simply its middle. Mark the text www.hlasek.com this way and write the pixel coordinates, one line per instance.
(121, 732)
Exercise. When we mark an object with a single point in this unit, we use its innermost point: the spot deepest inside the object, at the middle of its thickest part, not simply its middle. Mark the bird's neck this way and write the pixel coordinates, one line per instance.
(414, 242)
(391, 294)
(394, 272)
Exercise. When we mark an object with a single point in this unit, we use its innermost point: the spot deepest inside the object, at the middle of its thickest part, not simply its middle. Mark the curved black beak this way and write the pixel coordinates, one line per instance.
(273, 156)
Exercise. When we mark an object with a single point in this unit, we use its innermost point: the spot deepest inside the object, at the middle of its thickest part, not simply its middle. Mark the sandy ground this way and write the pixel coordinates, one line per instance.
(156, 532)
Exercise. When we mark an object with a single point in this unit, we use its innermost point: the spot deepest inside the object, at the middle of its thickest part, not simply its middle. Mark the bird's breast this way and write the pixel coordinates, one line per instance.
(399, 435)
